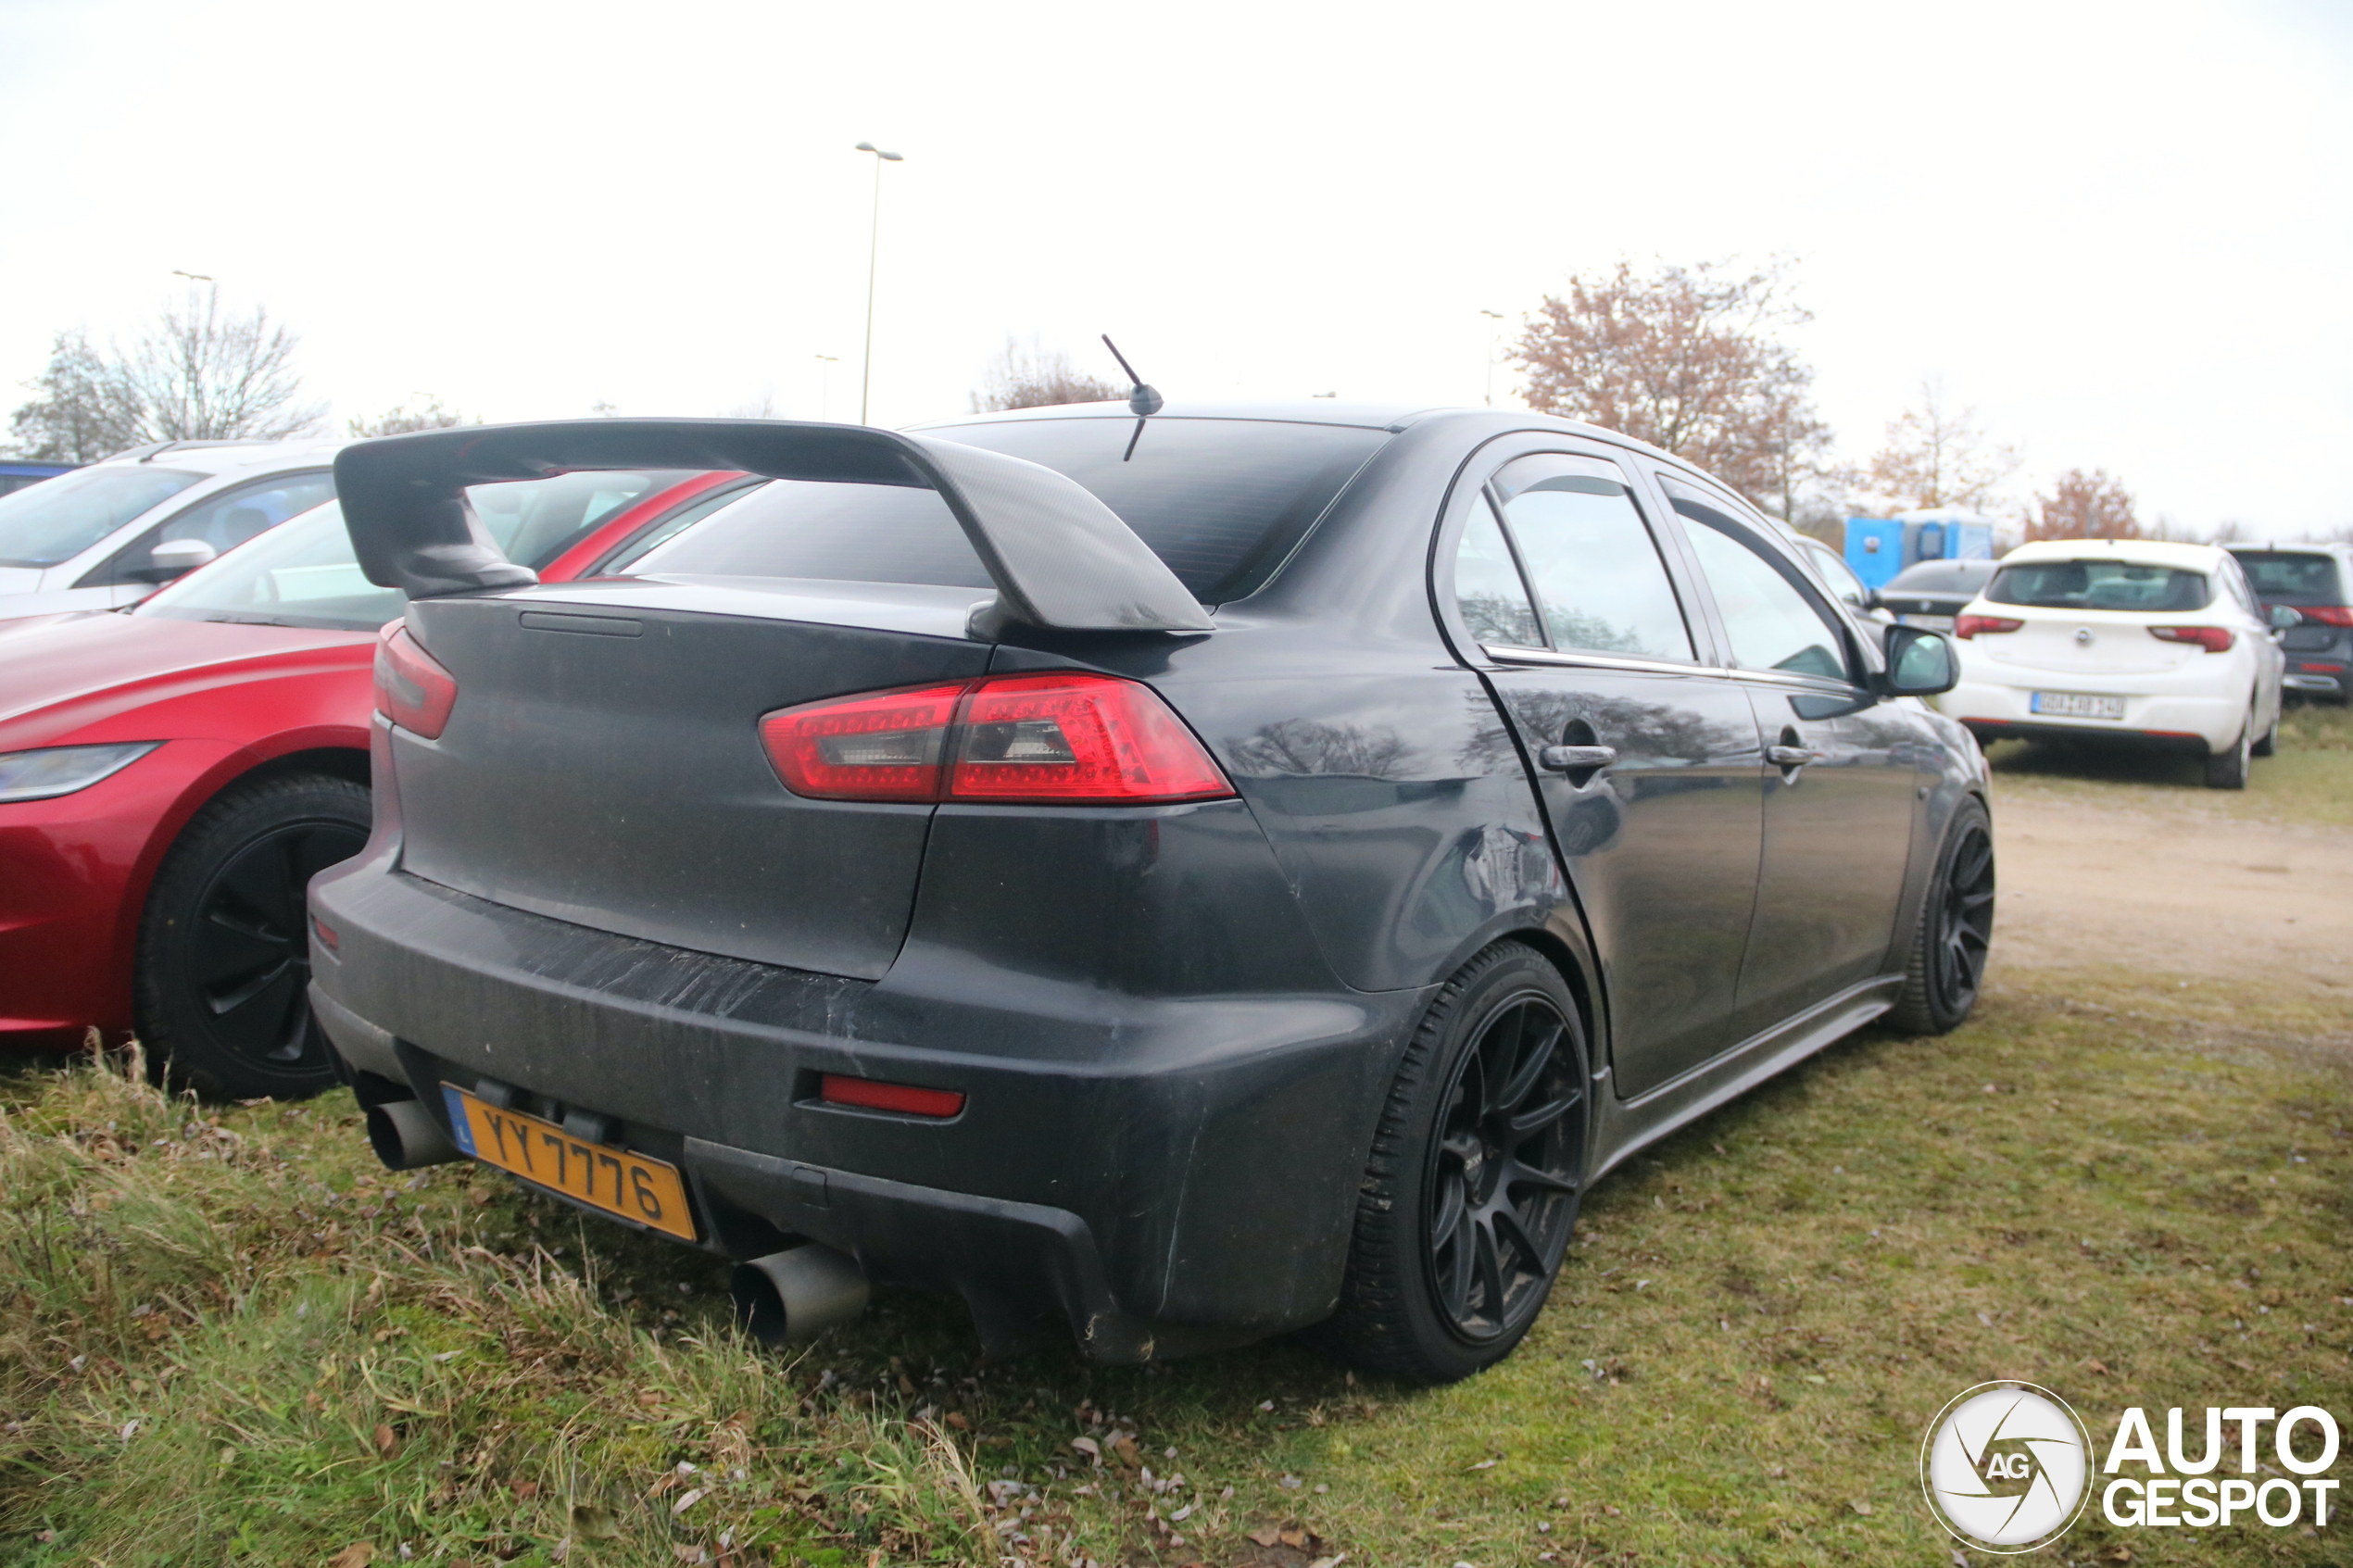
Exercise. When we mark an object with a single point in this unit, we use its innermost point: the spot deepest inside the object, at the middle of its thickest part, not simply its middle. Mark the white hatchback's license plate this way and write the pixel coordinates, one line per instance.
(2078, 705)
(1933, 622)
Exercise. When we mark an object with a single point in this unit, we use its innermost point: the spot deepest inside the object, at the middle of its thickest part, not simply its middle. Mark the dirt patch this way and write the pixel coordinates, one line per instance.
(2170, 887)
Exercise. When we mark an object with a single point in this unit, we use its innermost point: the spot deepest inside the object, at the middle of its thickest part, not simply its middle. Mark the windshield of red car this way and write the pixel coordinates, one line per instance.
(58, 519)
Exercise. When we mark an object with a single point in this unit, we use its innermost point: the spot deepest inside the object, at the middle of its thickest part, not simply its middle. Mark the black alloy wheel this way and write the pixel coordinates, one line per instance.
(1499, 1191)
(1955, 929)
(224, 952)
(1480, 1160)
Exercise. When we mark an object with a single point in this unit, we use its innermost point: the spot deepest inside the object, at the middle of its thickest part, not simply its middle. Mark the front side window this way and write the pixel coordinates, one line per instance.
(2105, 584)
(1599, 583)
(224, 522)
(1771, 621)
(55, 520)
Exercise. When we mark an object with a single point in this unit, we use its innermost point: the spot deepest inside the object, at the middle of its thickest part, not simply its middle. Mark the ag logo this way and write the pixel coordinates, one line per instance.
(2005, 1467)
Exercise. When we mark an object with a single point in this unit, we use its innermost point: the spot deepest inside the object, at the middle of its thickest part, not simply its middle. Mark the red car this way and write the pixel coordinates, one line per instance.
(170, 776)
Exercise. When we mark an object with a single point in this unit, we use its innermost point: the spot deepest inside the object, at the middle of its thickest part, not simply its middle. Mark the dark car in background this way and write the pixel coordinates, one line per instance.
(1931, 593)
(1189, 877)
(19, 474)
(2315, 581)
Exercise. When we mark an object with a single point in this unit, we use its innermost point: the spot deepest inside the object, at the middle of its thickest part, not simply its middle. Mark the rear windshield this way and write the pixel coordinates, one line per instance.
(1942, 577)
(2098, 584)
(2292, 577)
(58, 519)
(1222, 501)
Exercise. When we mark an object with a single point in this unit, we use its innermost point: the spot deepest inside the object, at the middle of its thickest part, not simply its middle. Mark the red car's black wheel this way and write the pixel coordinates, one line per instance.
(224, 955)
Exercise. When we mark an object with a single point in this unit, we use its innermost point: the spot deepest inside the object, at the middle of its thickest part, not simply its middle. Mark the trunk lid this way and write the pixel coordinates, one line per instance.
(2086, 643)
(603, 764)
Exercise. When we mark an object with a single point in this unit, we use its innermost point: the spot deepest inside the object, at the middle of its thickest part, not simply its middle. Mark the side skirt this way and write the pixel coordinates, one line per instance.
(1627, 1126)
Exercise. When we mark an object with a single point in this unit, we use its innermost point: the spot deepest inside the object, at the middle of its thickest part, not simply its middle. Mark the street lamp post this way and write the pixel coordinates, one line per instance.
(873, 245)
(1495, 342)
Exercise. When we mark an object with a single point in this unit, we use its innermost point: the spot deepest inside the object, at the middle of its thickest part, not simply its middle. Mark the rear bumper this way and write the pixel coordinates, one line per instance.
(2161, 712)
(1166, 1173)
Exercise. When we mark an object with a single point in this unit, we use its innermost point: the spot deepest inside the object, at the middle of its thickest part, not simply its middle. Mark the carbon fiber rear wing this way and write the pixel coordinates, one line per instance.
(1058, 557)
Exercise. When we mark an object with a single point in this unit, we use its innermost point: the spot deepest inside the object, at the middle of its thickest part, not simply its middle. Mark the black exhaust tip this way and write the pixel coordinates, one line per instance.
(406, 1139)
(795, 1295)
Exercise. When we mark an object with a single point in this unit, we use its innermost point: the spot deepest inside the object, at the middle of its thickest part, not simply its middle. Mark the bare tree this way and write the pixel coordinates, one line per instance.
(197, 374)
(78, 414)
(1935, 455)
(421, 412)
(1688, 359)
(2084, 506)
(1028, 376)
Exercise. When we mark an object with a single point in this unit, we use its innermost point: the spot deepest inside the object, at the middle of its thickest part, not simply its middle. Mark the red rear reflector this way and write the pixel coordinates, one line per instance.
(2326, 615)
(2213, 639)
(326, 934)
(1970, 625)
(2320, 669)
(883, 745)
(1048, 739)
(413, 689)
(869, 1094)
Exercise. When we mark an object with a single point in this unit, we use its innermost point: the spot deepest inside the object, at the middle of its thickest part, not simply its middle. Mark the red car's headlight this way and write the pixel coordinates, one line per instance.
(61, 770)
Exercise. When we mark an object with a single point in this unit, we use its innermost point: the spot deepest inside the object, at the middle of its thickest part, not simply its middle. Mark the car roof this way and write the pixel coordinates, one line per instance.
(229, 457)
(2297, 547)
(2140, 552)
(1314, 411)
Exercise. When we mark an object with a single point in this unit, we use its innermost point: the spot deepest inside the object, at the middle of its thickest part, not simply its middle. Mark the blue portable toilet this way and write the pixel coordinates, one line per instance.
(1875, 549)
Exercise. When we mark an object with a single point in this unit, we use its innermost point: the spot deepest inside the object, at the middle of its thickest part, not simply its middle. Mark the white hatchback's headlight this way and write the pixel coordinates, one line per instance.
(61, 770)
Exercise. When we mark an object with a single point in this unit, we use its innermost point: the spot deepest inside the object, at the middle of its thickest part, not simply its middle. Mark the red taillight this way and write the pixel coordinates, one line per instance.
(1972, 625)
(2326, 615)
(886, 746)
(413, 689)
(2213, 639)
(327, 936)
(1012, 740)
(869, 1094)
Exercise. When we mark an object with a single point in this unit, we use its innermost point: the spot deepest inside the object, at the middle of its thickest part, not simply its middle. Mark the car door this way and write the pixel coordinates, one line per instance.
(1841, 780)
(1646, 758)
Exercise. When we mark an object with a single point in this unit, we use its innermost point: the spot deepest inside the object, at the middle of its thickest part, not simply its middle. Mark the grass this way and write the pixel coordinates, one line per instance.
(2309, 780)
(230, 1340)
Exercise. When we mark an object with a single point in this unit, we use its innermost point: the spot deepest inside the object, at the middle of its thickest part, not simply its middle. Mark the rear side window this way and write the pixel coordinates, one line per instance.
(2291, 577)
(1224, 502)
(2098, 584)
(46, 524)
(1599, 583)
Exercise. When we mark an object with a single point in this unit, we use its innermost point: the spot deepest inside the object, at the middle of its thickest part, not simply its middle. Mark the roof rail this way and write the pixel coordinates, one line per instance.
(1058, 557)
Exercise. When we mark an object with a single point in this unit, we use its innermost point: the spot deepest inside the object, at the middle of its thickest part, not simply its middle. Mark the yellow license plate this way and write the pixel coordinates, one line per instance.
(631, 1186)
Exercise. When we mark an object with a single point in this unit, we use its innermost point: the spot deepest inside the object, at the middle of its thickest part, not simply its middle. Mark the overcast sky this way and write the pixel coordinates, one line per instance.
(2120, 230)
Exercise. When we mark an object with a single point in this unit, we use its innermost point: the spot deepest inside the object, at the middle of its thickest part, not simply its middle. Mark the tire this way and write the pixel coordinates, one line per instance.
(1468, 1203)
(224, 955)
(1954, 930)
(2228, 770)
(2271, 741)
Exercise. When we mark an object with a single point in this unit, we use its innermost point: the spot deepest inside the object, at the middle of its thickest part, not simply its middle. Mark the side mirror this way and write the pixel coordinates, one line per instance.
(1919, 664)
(175, 558)
(2281, 617)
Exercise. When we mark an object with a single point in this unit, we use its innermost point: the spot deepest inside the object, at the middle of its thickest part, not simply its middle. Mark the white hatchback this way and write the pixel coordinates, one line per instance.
(2129, 642)
(89, 539)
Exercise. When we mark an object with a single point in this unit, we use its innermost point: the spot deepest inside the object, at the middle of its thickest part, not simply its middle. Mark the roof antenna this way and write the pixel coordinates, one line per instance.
(1143, 401)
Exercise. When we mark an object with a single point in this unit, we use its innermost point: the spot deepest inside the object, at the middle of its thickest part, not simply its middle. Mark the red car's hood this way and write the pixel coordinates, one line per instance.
(61, 672)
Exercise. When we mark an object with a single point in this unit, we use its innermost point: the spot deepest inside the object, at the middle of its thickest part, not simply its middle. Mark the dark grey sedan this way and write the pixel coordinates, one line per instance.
(1190, 877)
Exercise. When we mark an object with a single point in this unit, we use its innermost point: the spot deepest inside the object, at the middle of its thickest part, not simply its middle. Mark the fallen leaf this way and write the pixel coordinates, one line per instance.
(1129, 1454)
(2117, 1554)
(689, 1553)
(1862, 1508)
(1484, 1464)
(2095, 1364)
(526, 1490)
(1266, 1536)
(684, 1503)
(1088, 1446)
(358, 1554)
(1333, 1562)
(387, 1440)
(956, 1418)
(595, 1523)
(1294, 1537)
(1985, 1320)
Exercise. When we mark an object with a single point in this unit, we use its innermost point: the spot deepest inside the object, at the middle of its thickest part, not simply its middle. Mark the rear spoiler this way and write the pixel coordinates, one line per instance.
(1060, 558)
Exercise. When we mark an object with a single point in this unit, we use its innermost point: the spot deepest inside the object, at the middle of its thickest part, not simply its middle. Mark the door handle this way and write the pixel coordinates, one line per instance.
(1576, 758)
(1791, 756)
